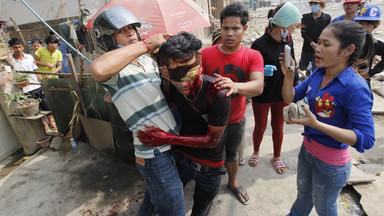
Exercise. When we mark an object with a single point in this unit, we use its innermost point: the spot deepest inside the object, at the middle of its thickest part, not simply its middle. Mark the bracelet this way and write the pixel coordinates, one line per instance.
(146, 45)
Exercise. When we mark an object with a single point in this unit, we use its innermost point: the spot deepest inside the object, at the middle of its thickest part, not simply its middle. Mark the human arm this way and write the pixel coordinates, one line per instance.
(313, 45)
(361, 134)
(114, 61)
(34, 66)
(39, 63)
(39, 77)
(306, 29)
(342, 135)
(288, 91)
(253, 87)
(353, 113)
(153, 136)
(59, 67)
(379, 67)
(254, 83)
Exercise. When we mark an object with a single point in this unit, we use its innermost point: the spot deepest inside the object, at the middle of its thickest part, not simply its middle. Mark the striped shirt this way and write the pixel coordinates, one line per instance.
(136, 92)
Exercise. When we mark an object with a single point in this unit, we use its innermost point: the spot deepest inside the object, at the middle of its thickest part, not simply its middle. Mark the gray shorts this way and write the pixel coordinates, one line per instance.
(232, 138)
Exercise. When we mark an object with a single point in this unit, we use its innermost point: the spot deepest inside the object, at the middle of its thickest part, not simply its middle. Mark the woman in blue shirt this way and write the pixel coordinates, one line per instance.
(339, 116)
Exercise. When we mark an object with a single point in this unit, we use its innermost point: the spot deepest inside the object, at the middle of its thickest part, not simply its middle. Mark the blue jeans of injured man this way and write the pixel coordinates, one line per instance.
(318, 184)
(164, 187)
(206, 185)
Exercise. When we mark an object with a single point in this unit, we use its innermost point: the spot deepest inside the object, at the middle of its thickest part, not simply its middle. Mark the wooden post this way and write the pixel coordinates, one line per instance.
(78, 87)
(20, 35)
(72, 66)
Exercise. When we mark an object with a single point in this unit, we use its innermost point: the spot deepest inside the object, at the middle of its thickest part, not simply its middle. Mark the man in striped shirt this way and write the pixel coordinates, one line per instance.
(133, 81)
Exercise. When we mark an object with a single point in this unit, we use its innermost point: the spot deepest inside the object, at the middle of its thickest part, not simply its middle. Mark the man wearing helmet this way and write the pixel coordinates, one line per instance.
(369, 18)
(350, 8)
(133, 81)
(312, 25)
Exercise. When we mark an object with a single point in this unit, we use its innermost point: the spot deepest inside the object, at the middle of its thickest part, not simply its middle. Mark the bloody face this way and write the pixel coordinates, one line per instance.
(185, 74)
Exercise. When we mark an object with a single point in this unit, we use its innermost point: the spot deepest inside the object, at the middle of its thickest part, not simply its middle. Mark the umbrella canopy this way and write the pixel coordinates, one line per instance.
(160, 16)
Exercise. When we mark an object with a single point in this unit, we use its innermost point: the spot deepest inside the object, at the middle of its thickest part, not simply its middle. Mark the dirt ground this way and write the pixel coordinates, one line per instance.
(93, 183)
(258, 22)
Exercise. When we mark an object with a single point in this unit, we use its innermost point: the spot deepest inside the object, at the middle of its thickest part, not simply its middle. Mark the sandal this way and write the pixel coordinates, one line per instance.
(240, 194)
(254, 160)
(241, 162)
(279, 166)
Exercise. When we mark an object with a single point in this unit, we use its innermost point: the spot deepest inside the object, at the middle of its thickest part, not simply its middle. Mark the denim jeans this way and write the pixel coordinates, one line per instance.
(318, 184)
(164, 187)
(206, 185)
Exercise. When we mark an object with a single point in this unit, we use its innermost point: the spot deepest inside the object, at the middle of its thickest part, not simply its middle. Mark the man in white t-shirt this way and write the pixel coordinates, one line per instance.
(25, 62)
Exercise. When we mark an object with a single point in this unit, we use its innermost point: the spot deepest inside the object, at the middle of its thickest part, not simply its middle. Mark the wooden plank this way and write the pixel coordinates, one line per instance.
(45, 73)
(71, 89)
(41, 114)
(358, 176)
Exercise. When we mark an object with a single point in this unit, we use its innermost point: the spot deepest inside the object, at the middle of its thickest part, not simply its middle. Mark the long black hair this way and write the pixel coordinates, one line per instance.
(348, 33)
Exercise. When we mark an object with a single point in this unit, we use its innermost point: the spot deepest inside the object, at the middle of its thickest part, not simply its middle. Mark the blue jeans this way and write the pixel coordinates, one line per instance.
(318, 184)
(164, 187)
(206, 185)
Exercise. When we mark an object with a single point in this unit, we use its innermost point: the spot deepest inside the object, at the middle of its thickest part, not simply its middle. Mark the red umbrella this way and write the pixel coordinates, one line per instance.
(160, 16)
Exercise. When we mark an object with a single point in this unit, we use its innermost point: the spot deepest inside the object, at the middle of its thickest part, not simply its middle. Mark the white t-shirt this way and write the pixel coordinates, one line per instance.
(28, 64)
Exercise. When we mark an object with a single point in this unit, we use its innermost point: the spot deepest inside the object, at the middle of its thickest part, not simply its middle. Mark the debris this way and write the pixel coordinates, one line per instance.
(355, 210)
(56, 142)
(358, 176)
(25, 158)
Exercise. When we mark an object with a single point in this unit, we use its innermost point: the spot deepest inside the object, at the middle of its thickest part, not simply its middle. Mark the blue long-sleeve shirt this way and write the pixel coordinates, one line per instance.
(339, 18)
(346, 102)
(63, 47)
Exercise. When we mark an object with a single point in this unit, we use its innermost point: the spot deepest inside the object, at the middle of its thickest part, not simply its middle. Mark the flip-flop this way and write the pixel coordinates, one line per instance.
(254, 160)
(240, 192)
(279, 165)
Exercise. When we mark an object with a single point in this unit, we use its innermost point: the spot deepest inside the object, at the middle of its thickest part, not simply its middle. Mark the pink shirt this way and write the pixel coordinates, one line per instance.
(332, 156)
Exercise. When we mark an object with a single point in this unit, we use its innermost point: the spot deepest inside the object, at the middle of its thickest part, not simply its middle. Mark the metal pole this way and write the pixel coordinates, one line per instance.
(54, 31)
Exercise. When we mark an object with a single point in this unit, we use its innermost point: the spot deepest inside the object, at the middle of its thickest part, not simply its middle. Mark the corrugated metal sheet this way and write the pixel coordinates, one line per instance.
(47, 9)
